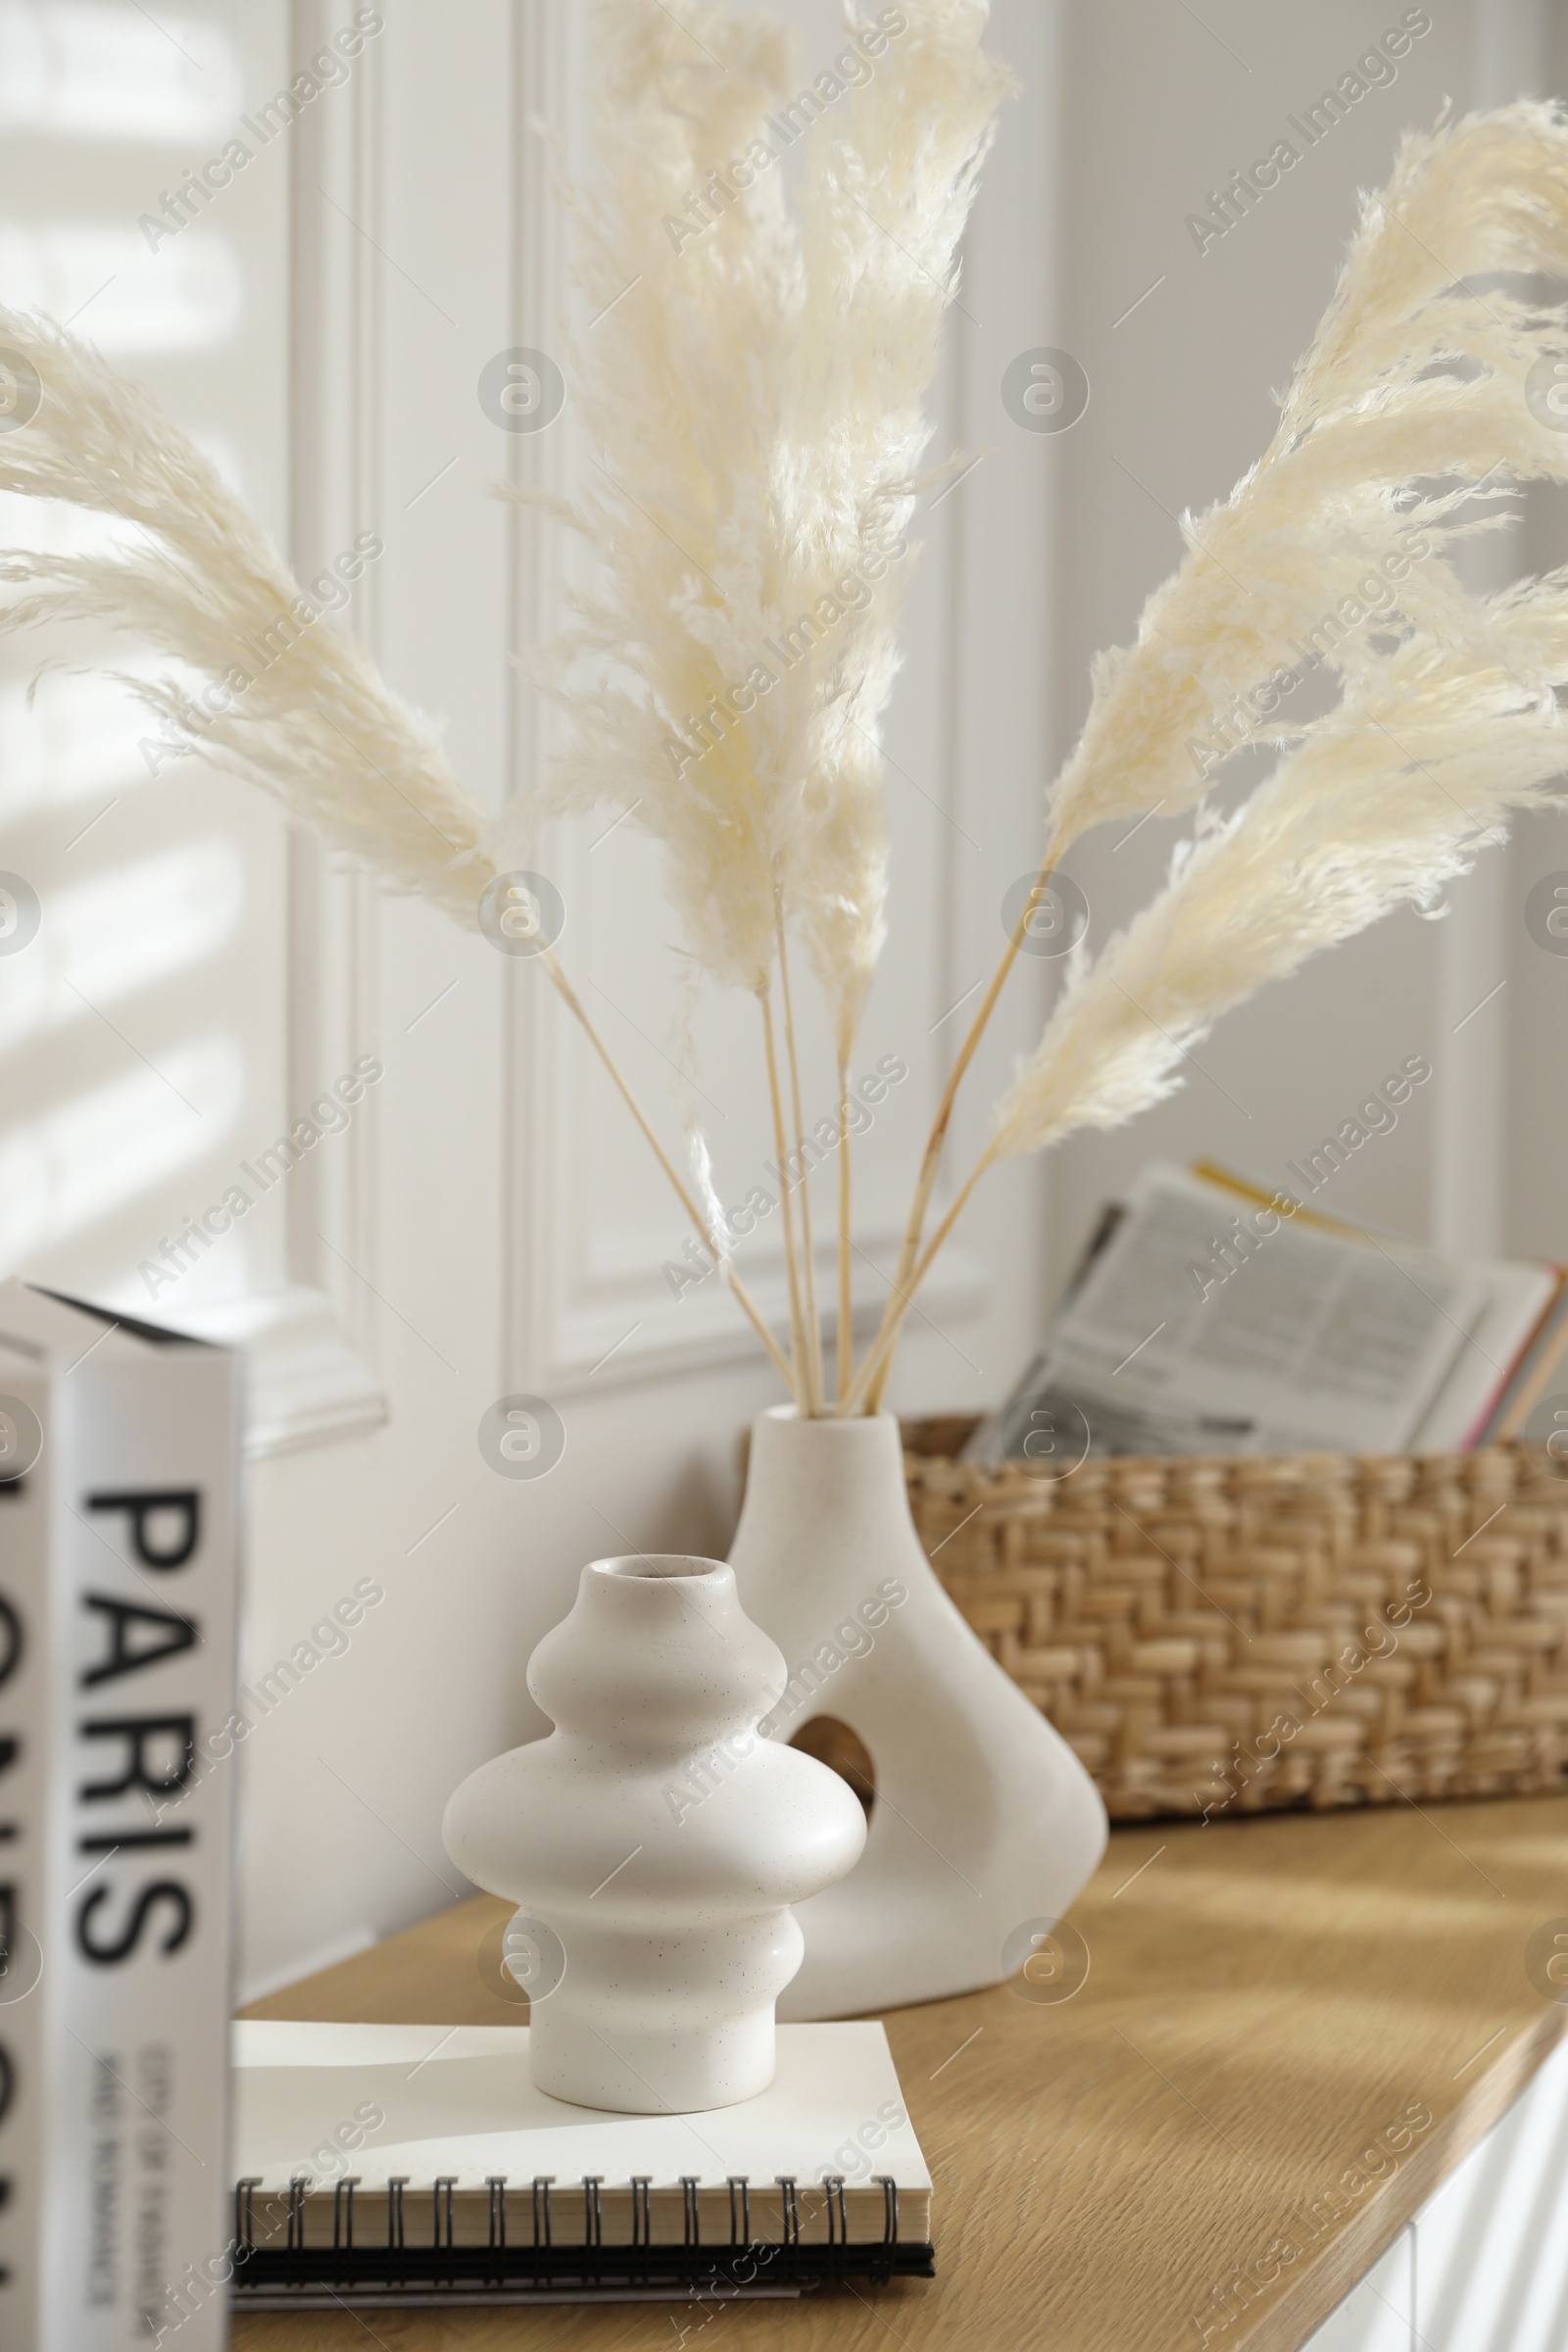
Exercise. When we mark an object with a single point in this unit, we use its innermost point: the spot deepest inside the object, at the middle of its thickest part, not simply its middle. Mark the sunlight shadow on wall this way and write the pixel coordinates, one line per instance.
(92, 1155)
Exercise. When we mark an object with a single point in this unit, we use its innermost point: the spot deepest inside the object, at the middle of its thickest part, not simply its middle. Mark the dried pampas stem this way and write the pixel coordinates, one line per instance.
(707, 1227)
(813, 1320)
(846, 1347)
(871, 1381)
(781, 1155)
(935, 1140)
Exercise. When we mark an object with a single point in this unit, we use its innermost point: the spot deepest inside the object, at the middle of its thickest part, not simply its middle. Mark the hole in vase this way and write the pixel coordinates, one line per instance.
(843, 1751)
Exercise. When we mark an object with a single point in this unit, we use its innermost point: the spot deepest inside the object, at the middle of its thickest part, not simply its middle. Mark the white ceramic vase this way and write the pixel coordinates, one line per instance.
(655, 1842)
(984, 1823)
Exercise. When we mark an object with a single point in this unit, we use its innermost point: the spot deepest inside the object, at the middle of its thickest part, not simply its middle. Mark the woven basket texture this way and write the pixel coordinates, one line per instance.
(1244, 1634)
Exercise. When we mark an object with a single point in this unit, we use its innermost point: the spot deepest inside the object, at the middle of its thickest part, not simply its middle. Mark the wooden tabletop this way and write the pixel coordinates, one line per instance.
(1292, 2029)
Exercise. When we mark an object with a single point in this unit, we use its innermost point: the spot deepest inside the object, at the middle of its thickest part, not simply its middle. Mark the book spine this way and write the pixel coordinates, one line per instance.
(25, 1654)
(141, 2220)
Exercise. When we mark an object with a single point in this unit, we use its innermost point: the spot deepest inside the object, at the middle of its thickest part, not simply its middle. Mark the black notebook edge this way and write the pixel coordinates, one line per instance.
(396, 2273)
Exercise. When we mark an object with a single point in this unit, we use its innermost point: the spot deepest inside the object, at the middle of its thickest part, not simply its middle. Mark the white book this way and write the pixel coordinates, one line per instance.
(135, 1595)
(419, 2163)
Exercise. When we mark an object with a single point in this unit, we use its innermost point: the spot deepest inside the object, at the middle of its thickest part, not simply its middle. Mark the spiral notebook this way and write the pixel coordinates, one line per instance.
(418, 2165)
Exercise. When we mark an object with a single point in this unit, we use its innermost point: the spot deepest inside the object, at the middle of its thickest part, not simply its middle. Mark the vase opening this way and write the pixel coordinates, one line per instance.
(658, 1566)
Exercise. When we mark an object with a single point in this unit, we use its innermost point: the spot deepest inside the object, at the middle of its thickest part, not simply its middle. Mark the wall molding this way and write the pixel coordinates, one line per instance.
(304, 1384)
(540, 45)
(310, 1347)
(1473, 1123)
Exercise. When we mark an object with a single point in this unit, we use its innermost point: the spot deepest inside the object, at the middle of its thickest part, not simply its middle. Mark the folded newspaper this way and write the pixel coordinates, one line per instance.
(1212, 1317)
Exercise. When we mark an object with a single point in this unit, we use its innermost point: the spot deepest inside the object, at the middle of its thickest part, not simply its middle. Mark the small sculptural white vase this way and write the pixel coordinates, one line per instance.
(984, 1824)
(655, 1840)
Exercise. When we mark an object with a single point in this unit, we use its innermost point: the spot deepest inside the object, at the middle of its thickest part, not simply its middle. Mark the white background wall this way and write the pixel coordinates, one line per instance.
(488, 1226)
(135, 1044)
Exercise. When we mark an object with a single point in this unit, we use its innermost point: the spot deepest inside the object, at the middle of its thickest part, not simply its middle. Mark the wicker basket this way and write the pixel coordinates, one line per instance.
(1245, 1635)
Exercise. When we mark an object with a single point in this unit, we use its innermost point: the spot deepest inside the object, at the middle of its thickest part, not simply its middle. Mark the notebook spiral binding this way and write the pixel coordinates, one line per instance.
(278, 2267)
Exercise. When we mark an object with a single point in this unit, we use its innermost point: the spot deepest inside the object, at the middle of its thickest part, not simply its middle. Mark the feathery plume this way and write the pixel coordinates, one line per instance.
(1415, 395)
(725, 671)
(1418, 770)
(727, 668)
(274, 696)
(1411, 384)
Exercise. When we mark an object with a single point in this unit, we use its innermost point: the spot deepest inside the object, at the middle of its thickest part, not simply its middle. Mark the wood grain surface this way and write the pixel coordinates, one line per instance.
(1209, 2142)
